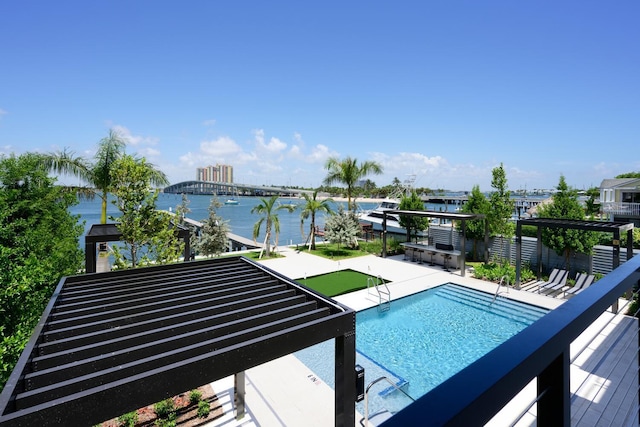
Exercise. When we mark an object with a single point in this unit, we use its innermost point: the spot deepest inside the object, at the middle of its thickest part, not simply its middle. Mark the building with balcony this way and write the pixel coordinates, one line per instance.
(217, 173)
(620, 199)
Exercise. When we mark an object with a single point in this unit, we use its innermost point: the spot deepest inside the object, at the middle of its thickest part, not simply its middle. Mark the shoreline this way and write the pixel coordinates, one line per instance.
(341, 199)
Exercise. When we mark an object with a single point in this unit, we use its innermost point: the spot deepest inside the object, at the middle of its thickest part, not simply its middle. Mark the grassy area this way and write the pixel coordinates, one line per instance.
(337, 282)
(252, 255)
(335, 252)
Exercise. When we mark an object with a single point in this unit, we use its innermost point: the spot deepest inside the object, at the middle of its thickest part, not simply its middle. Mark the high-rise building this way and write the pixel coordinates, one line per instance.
(217, 173)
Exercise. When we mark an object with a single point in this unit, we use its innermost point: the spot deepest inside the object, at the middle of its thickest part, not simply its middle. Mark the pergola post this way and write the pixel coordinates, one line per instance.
(463, 244)
(539, 251)
(384, 234)
(345, 377)
(486, 241)
(616, 249)
(89, 256)
(239, 394)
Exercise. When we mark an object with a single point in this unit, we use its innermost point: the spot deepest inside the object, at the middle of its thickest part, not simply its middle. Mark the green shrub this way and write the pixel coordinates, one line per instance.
(128, 420)
(372, 246)
(195, 396)
(203, 409)
(393, 245)
(165, 409)
(495, 272)
(169, 422)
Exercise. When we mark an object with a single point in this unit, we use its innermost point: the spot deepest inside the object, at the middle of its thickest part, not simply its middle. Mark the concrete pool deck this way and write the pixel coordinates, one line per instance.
(285, 392)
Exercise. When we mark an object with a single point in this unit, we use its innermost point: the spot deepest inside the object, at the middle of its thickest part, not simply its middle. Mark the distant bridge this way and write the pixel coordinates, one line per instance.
(226, 188)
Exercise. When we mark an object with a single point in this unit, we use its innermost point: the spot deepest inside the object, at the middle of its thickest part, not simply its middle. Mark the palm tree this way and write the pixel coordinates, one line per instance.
(310, 208)
(97, 175)
(267, 208)
(349, 172)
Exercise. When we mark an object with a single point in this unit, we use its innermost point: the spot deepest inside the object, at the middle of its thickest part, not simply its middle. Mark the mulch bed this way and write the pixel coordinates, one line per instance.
(186, 414)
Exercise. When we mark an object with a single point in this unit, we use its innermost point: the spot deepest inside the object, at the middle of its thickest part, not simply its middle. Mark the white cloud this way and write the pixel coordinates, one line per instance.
(268, 168)
(320, 153)
(134, 140)
(274, 145)
(149, 152)
(3, 112)
(295, 152)
(209, 122)
(258, 135)
(221, 147)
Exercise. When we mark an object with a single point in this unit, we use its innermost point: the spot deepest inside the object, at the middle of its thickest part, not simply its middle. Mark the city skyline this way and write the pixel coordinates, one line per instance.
(215, 173)
(441, 90)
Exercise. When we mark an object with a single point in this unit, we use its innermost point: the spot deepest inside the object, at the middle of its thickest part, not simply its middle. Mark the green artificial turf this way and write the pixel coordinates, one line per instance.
(337, 282)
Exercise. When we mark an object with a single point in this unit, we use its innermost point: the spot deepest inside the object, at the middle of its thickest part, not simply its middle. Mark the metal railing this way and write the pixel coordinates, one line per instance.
(384, 295)
(498, 293)
(541, 352)
(366, 396)
(621, 208)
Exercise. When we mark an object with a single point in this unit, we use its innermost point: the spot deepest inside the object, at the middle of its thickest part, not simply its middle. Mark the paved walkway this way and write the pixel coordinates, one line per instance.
(285, 392)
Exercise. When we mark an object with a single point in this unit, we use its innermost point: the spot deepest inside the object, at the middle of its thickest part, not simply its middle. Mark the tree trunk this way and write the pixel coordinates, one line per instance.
(313, 231)
(267, 244)
(103, 209)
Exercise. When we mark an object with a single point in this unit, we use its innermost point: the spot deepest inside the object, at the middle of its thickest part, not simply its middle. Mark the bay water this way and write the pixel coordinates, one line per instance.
(239, 217)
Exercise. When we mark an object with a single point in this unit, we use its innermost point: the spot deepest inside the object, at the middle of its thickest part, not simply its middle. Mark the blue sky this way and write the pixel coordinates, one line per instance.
(446, 90)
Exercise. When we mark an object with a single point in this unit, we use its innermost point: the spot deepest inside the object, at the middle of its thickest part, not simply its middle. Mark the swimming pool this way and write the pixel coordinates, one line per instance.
(425, 339)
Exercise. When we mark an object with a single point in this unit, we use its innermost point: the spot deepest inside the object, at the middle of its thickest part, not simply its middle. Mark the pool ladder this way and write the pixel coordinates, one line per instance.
(498, 293)
(366, 396)
(384, 295)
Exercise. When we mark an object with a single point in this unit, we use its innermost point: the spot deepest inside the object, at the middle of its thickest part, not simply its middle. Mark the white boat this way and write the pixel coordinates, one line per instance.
(233, 200)
(374, 217)
(390, 204)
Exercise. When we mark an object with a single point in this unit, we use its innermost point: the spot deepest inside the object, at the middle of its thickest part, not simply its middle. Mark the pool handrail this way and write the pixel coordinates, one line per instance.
(376, 282)
(366, 395)
(497, 294)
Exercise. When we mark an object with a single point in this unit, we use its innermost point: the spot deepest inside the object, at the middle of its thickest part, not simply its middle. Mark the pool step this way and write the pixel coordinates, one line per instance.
(501, 306)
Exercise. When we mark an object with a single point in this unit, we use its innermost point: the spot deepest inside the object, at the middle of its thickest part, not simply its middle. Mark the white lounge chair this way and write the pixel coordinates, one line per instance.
(583, 281)
(557, 280)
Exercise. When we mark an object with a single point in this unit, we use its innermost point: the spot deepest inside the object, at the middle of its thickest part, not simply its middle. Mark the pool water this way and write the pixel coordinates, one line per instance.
(424, 339)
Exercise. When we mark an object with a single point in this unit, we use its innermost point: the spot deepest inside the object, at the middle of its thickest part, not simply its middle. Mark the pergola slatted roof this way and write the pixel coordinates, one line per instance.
(452, 216)
(602, 226)
(110, 343)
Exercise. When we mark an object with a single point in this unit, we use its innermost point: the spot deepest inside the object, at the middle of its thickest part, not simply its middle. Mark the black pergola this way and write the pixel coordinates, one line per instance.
(608, 227)
(99, 233)
(462, 217)
(109, 343)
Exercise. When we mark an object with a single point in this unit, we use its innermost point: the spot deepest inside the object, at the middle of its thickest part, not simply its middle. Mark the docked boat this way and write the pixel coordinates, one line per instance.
(373, 218)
